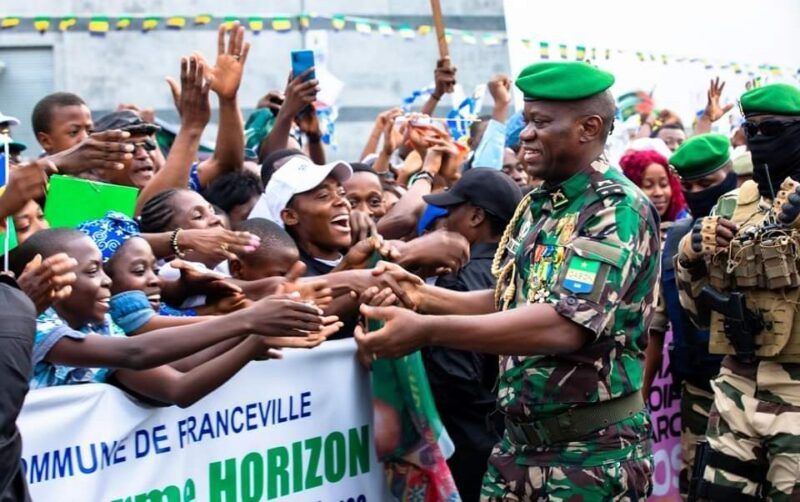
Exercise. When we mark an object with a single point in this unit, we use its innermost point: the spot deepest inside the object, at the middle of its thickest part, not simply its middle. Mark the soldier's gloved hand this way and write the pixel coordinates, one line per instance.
(786, 206)
(709, 235)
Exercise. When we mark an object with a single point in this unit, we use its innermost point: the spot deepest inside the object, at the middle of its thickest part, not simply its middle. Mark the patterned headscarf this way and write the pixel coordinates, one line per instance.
(110, 232)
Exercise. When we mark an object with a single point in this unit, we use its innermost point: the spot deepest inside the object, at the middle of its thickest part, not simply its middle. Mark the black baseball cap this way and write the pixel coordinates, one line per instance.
(125, 120)
(486, 188)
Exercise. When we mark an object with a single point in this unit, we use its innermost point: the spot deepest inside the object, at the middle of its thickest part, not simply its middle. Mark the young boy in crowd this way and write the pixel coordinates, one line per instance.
(76, 341)
(274, 257)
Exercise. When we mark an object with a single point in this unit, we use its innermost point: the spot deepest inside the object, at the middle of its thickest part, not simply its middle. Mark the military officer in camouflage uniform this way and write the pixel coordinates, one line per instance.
(738, 274)
(577, 269)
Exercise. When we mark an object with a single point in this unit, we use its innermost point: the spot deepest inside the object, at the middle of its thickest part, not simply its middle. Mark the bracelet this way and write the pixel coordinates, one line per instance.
(421, 175)
(437, 98)
(173, 242)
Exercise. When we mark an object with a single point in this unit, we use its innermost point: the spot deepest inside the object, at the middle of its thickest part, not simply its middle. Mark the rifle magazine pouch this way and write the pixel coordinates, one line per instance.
(747, 264)
(718, 275)
(778, 262)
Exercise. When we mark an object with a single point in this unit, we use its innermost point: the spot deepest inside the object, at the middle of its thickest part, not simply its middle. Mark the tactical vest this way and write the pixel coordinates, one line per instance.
(762, 263)
(688, 354)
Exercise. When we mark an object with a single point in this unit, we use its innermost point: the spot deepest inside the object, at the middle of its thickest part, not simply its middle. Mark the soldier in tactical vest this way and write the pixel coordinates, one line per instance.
(704, 166)
(737, 274)
(576, 272)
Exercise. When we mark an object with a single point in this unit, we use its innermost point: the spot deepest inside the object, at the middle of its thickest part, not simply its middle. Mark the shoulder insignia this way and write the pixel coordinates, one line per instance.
(607, 188)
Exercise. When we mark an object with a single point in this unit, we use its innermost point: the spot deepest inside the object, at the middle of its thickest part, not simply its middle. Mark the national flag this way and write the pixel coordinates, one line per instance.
(99, 26)
(8, 236)
(41, 24)
(664, 59)
(385, 29)
(736, 68)
(608, 53)
(304, 20)
(594, 53)
(203, 19)
(526, 43)
(469, 38)
(562, 51)
(406, 32)
(640, 56)
(338, 23)
(580, 53)
(256, 24)
(581, 275)
(176, 23)
(123, 23)
(150, 23)
(424, 29)
(544, 50)
(363, 27)
(775, 70)
(9, 22)
(67, 23)
(281, 24)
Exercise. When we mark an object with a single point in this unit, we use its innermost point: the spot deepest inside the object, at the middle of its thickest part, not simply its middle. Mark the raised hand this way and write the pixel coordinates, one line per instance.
(713, 110)
(226, 74)
(300, 94)
(48, 282)
(709, 236)
(444, 77)
(500, 89)
(272, 100)
(193, 103)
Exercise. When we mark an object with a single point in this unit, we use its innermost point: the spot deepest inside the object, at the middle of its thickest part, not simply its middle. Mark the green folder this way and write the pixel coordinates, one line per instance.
(72, 201)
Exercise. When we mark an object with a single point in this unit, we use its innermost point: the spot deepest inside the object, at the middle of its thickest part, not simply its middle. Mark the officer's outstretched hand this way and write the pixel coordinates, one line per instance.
(403, 332)
(786, 206)
(709, 236)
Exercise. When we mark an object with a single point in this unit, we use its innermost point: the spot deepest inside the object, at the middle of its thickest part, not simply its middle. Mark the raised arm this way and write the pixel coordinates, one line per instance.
(225, 77)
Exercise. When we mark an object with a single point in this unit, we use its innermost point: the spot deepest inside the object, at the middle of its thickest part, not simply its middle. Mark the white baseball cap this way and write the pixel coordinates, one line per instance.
(298, 175)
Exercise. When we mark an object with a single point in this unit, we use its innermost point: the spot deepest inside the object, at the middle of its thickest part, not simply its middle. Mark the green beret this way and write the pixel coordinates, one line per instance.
(773, 99)
(563, 81)
(701, 155)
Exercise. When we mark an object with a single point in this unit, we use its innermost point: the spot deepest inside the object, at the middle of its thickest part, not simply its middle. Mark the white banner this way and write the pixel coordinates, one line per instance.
(295, 429)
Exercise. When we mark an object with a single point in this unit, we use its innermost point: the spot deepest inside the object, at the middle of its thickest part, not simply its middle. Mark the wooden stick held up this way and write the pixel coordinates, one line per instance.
(438, 24)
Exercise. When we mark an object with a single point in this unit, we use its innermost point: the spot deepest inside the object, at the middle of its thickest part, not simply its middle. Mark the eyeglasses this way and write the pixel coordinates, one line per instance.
(769, 127)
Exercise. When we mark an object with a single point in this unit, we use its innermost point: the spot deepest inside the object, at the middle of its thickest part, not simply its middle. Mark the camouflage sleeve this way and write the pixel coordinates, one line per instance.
(615, 248)
(660, 321)
(691, 280)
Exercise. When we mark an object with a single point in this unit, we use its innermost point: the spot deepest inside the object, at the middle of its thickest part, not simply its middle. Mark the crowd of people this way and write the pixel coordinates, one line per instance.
(537, 278)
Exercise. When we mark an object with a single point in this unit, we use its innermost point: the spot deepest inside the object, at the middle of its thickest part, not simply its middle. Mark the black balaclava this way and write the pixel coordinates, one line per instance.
(781, 154)
(700, 203)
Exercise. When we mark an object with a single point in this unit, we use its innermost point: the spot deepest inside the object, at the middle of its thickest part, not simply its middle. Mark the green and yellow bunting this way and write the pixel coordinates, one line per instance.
(203, 19)
(66, 23)
(228, 21)
(562, 51)
(448, 36)
(123, 23)
(385, 29)
(593, 53)
(41, 24)
(256, 24)
(176, 23)
(99, 26)
(406, 32)
(281, 24)
(490, 40)
(580, 53)
(304, 21)
(150, 23)
(664, 59)
(424, 29)
(10, 22)
(469, 38)
(338, 23)
(544, 50)
(363, 27)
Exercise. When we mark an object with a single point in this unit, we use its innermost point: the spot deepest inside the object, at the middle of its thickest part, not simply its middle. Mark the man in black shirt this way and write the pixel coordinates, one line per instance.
(479, 205)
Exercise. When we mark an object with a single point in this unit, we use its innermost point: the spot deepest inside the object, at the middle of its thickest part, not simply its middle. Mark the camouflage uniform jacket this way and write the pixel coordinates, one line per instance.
(590, 248)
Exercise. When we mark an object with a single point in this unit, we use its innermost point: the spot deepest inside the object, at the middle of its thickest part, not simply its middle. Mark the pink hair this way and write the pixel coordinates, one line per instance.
(634, 163)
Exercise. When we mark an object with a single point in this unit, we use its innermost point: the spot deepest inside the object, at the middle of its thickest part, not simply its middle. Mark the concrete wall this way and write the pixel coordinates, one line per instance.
(377, 71)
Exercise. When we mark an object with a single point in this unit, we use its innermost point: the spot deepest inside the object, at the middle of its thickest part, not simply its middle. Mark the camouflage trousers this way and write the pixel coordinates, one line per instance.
(695, 408)
(756, 419)
(579, 471)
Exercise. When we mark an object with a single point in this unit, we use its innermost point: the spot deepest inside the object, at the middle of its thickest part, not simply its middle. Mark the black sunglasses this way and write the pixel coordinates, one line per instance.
(148, 144)
(769, 127)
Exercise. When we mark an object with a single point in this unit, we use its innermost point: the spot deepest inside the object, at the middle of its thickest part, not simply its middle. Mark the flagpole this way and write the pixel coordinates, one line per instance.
(6, 163)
